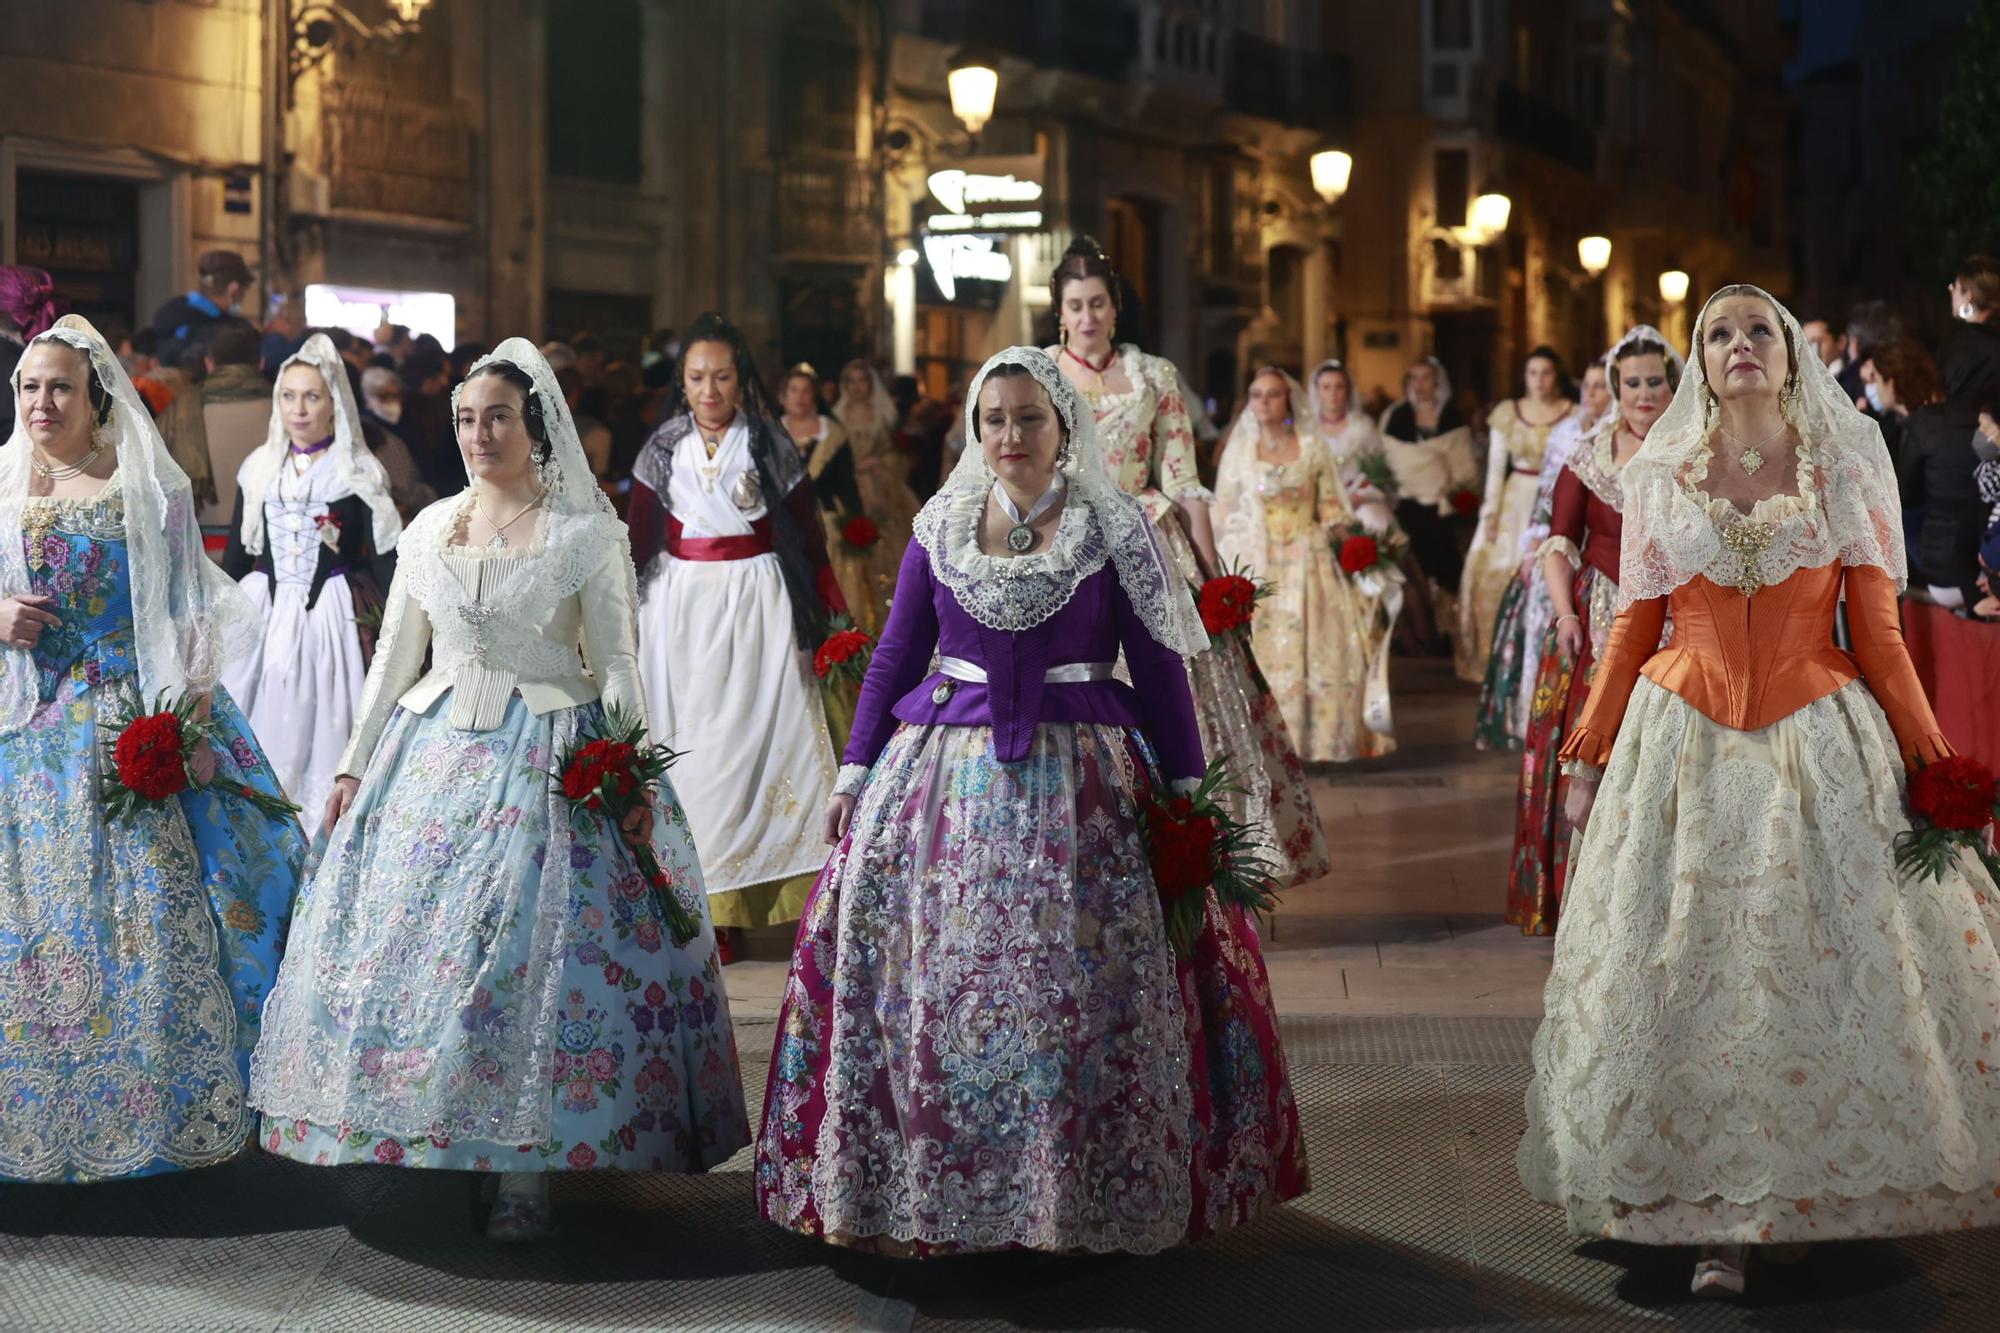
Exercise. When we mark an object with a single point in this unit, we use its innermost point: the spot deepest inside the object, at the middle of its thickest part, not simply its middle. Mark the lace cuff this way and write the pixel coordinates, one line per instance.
(850, 780)
(1562, 546)
(1578, 771)
(1184, 786)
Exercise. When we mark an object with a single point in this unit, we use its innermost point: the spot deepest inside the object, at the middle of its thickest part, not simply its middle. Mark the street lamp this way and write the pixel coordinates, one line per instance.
(1673, 286)
(1490, 212)
(410, 11)
(1331, 169)
(973, 79)
(1594, 253)
(316, 23)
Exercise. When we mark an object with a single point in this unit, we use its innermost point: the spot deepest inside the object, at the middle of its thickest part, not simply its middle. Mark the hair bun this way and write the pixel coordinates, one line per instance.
(1086, 246)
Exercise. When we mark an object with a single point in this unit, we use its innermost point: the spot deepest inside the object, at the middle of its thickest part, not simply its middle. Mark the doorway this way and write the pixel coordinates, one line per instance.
(85, 231)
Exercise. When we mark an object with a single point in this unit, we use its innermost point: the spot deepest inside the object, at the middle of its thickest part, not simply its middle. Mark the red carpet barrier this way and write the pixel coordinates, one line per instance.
(1959, 662)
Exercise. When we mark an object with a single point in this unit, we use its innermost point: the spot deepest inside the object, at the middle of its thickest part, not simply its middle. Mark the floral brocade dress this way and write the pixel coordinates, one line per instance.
(1149, 447)
(135, 954)
(986, 1041)
(1316, 634)
(490, 986)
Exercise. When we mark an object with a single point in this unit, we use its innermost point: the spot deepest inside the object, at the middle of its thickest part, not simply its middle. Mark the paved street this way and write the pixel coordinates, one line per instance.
(1408, 1008)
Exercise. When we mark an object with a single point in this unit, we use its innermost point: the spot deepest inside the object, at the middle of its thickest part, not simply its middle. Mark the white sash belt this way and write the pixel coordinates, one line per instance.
(1073, 673)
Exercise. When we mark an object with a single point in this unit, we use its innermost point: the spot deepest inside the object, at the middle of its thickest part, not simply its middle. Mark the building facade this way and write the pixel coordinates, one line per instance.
(619, 165)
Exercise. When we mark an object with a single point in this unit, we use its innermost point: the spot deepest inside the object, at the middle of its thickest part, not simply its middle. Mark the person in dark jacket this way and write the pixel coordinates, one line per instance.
(1935, 466)
(190, 319)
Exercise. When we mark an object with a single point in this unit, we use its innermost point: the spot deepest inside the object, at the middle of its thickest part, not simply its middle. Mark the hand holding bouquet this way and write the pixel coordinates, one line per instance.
(1194, 845)
(615, 774)
(1951, 807)
(157, 756)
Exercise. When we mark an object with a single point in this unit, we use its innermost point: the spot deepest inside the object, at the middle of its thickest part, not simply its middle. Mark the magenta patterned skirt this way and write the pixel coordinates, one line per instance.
(986, 1041)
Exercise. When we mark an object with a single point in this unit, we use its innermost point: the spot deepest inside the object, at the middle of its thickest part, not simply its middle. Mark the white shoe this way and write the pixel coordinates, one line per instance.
(1720, 1273)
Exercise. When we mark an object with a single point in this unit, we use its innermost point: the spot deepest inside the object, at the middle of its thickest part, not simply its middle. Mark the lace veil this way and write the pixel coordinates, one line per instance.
(1583, 457)
(360, 468)
(1847, 511)
(1239, 512)
(1099, 522)
(188, 616)
(878, 394)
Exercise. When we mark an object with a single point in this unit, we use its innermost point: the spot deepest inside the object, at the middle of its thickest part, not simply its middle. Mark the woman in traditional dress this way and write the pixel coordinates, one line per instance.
(822, 443)
(1502, 721)
(1429, 449)
(1758, 1033)
(135, 953)
(1517, 436)
(479, 977)
(311, 543)
(737, 590)
(1578, 567)
(1318, 637)
(986, 1040)
(882, 471)
(829, 462)
(1142, 420)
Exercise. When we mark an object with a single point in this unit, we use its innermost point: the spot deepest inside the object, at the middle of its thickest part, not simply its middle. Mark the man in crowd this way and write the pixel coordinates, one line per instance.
(190, 320)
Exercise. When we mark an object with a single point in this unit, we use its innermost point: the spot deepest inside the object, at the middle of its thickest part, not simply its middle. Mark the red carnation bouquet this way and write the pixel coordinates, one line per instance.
(1194, 845)
(1465, 502)
(615, 773)
(845, 653)
(1361, 550)
(151, 763)
(1951, 806)
(1229, 600)
(860, 532)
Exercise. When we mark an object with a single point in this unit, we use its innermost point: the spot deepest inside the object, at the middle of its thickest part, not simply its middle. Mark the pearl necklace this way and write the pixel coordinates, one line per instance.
(64, 471)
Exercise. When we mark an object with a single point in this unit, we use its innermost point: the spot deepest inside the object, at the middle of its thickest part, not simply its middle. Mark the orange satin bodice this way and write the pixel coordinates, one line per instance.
(1749, 661)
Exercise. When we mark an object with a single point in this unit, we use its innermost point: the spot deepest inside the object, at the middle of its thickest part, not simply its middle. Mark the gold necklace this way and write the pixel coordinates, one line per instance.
(1750, 460)
(498, 541)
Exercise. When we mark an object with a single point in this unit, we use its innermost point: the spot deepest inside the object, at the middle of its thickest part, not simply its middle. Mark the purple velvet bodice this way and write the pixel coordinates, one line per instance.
(925, 617)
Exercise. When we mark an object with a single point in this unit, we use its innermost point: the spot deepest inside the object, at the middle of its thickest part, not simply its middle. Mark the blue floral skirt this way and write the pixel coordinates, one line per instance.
(134, 955)
(480, 979)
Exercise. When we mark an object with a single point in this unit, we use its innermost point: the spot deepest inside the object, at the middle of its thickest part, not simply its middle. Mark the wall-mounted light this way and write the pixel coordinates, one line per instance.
(1673, 286)
(1331, 170)
(315, 24)
(973, 79)
(1594, 253)
(907, 257)
(1490, 212)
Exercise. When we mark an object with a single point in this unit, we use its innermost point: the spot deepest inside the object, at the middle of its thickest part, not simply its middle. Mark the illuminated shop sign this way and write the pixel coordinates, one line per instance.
(955, 259)
(362, 310)
(998, 194)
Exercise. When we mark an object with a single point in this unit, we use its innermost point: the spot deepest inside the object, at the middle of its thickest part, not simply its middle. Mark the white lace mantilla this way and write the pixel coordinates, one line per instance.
(1847, 508)
(1099, 522)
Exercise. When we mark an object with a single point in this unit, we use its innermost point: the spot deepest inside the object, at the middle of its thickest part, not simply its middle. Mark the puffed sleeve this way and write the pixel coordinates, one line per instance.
(1173, 442)
(1874, 620)
(611, 633)
(1634, 638)
(399, 660)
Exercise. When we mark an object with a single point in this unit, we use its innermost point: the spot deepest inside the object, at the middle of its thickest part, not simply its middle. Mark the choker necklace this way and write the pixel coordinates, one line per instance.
(1021, 537)
(64, 471)
(1750, 460)
(1095, 391)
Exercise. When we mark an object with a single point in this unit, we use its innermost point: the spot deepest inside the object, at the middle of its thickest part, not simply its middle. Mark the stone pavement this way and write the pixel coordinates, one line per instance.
(1408, 1011)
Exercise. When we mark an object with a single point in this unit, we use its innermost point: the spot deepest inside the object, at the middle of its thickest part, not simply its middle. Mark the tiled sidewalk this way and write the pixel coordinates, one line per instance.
(1408, 1011)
